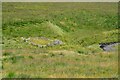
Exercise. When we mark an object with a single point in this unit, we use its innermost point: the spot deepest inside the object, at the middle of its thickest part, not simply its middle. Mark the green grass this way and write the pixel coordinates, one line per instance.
(39, 41)
(69, 64)
(56, 29)
(80, 26)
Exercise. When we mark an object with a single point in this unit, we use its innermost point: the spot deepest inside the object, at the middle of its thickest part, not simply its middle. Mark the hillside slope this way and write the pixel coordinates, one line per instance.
(59, 40)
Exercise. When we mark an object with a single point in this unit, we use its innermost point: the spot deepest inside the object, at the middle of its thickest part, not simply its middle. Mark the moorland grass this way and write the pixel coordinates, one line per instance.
(80, 26)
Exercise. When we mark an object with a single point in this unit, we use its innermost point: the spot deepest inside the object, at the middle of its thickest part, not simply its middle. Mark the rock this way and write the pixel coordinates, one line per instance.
(23, 39)
(27, 39)
(109, 46)
(57, 42)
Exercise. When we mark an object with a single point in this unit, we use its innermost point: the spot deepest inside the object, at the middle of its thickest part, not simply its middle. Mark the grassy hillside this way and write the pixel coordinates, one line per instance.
(80, 26)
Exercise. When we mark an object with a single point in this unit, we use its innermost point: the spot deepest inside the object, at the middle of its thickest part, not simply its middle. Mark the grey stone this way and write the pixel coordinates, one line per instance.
(57, 42)
(109, 46)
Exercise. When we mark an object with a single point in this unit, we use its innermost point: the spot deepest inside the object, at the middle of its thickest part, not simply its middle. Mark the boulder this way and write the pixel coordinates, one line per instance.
(57, 42)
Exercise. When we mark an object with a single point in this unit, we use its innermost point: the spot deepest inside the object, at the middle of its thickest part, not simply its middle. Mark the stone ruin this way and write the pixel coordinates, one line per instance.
(50, 44)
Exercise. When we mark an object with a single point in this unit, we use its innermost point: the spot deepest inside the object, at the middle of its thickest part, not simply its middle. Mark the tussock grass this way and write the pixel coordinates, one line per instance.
(72, 65)
(56, 29)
